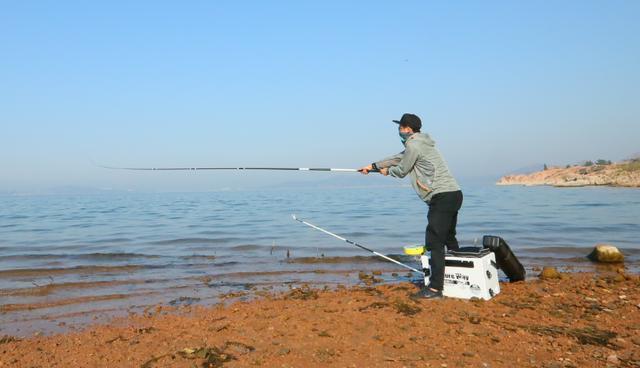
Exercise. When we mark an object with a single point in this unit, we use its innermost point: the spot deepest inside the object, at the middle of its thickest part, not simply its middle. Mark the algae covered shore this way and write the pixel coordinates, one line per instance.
(570, 320)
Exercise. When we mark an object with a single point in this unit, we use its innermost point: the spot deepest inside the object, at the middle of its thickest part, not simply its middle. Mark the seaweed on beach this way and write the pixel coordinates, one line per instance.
(370, 290)
(406, 308)
(212, 357)
(149, 363)
(369, 279)
(586, 335)
(374, 305)
(7, 339)
(184, 300)
(302, 293)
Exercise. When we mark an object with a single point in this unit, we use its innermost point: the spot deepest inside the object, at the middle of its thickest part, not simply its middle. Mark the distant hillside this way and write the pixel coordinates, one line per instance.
(624, 174)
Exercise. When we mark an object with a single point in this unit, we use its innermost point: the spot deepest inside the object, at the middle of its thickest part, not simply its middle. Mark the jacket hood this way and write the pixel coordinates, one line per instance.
(423, 137)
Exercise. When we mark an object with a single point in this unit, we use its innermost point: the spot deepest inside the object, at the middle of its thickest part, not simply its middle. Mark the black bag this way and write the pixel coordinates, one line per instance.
(505, 258)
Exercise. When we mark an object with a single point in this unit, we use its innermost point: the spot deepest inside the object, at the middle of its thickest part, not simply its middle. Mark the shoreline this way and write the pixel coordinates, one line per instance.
(581, 320)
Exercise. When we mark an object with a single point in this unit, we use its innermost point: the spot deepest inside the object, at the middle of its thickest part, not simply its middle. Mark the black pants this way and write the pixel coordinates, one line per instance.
(441, 231)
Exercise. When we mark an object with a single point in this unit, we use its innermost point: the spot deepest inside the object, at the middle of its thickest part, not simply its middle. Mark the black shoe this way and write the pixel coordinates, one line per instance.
(427, 293)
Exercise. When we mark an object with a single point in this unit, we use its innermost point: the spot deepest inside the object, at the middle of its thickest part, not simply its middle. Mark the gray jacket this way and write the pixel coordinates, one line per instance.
(423, 162)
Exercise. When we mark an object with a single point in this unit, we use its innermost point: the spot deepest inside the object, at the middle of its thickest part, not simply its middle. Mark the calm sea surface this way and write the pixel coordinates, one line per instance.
(65, 258)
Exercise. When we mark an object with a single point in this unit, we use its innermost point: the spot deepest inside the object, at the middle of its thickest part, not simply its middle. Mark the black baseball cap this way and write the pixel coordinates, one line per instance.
(410, 120)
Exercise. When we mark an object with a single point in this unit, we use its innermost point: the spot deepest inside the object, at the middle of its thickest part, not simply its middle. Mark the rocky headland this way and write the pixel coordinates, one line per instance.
(624, 174)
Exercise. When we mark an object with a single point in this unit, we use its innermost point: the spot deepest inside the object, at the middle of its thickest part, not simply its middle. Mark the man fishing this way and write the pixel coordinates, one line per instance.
(434, 184)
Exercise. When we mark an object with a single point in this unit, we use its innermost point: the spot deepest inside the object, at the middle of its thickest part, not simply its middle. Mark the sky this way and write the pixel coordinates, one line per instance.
(500, 85)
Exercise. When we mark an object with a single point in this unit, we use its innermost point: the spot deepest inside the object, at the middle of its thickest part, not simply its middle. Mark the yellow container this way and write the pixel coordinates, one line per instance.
(414, 250)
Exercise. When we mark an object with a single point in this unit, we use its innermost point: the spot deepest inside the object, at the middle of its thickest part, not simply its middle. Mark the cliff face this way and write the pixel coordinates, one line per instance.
(626, 174)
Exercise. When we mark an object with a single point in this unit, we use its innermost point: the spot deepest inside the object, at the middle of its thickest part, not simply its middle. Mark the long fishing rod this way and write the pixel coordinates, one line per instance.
(356, 244)
(232, 168)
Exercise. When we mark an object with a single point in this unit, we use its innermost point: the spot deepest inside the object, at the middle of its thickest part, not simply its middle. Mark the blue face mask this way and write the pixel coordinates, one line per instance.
(404, 137)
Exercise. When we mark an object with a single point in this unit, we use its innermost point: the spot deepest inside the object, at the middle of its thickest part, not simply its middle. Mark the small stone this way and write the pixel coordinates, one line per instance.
(606, 253)
(619, 278)
(468, 354)
(620, 343)
(549, 273)
(475, 319)
(613, 359)
(450, 321)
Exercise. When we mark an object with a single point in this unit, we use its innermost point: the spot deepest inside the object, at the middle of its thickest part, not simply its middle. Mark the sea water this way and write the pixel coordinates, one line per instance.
(65, 255)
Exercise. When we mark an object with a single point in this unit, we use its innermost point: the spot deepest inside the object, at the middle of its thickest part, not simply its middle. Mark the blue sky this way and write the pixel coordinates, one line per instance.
(499, 85)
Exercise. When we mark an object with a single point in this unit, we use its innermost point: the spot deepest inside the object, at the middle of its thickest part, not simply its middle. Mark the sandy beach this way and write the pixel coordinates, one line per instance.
(577, 320)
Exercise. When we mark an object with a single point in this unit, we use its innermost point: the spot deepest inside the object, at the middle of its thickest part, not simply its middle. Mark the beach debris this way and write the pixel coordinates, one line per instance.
(184, 300)
(606, 253)
(302, 293)
(213, 357)
(549, 273)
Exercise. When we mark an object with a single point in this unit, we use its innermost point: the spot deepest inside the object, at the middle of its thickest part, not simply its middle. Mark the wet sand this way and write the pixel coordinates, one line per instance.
(579, 320)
